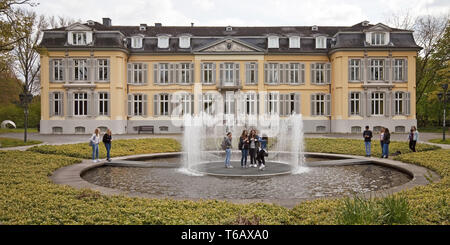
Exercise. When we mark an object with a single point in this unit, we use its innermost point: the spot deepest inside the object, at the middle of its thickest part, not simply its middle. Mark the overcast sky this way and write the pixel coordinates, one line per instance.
(239, 12)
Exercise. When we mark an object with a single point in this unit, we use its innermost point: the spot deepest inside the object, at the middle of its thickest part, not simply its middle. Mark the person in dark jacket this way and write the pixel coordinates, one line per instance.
(253, 147)
(386, 142)
(367, 134)
(413, 137)
(262, 151)
(107, 138)
(244, 146)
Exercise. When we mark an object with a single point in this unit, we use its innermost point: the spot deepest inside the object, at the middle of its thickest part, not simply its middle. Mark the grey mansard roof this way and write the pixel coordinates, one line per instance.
(338, 37)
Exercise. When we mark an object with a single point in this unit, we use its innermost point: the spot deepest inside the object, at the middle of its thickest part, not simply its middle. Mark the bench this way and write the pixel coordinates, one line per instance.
(146, 129)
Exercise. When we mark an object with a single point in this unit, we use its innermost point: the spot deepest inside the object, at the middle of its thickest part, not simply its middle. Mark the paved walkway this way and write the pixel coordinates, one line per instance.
(73, 139)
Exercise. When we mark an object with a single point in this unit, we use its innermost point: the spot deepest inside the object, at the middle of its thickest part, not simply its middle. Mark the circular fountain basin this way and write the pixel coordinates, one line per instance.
(218, 169)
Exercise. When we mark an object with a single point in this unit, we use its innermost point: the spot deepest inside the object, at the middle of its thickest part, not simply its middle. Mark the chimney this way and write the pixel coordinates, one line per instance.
(365, 23)
(143, 27)
(158, 24)
(192, 24)
(107, 22)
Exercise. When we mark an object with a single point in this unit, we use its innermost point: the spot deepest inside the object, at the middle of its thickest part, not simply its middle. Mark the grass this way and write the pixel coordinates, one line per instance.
(8, 142)
(440, 141)
(17, 130)
(433, 130)
(29, 197)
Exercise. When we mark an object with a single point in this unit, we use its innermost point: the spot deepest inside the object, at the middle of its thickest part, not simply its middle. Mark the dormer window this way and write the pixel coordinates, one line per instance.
(378, 38)
(294, 42)
(136, 42)
(273, 42)
(321, 42)
(315, 28)
(163, 42)
(229, 28)
(185, 42)
(79, 38)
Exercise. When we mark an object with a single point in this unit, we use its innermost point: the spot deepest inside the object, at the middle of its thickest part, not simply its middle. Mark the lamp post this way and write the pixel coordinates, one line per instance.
(443, 98)
(25, 100)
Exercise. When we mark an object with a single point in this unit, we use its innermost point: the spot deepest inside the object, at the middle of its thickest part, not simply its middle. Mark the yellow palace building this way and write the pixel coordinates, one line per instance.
(340, 78)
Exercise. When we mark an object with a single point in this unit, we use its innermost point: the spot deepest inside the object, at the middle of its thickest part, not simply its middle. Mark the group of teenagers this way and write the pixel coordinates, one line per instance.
(94, 142)
(251, 145)
(385, 140)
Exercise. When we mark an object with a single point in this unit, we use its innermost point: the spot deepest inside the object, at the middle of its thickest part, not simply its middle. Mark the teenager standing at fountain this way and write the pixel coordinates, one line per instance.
(262, 151)
(244, 146)
(382, 140)
(107, 138)
(94, 141)
(253, 147)
(386, 142)
(413, 138)
(368, 141)
(227, 145)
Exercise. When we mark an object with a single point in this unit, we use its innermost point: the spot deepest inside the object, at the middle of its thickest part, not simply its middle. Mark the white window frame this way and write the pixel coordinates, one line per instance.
(208, 73)
(294, 42)
(138, 73)
(273, 42)
(320, 73)
(58, 70)
(79, 38)
(136, 42)
(355, 70)
(273, 103)
(164, 105)
(185, 42)
(57, 103)
(399, 106)
(377, 103)
(103, 100)
(80, 70)
(294, 73)
(398, 69)
(163, 69)
(378, 38)
(80, 104)
(208, 100)
(376, 69)
(228, 72)
(103, 69)
(252, 67)
(355, 102)
(185, 75)
(320, 101)
(138, 104)
(251, 104)
(163, 42)
(321, 42)
(273, 73)
(186, 104)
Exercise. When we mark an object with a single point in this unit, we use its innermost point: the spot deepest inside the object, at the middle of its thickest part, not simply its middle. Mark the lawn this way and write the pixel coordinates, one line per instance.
(17, 130)
(8, 142)
(440, 141)
(29, 197)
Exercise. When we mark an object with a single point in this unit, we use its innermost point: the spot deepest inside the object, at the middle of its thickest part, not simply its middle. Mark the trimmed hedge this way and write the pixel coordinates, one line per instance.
(119, 148)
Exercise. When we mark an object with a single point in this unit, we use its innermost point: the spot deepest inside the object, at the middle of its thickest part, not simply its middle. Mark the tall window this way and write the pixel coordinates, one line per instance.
(252, 73)
(355, 101)
(79, 38)
(80, 70)
(208, 73)
(229, 73)
(355, 72)
(138, 105)
(398, 103)
(185, 73)
(274, 100)
(103, 70)
(378, 38)
(103, 100)
(293, 73)
(273, 73)
(164, 104)
(251, 104)
(376, 70)
(163, 73)
(319, 105)
(80, 104)
(186, 102)
(377, 101)
(399, 71)
(319, 73)
(58, 70)
(208, 104)
(57, 104)
(138, 73)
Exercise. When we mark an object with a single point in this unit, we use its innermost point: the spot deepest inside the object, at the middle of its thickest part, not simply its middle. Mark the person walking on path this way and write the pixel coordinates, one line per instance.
(253, 138)
(107, 138)
(367, 134)
(227, 145)
(381, 140)
(386, 142)
(94, 141)
(244, 146)
(413, 137)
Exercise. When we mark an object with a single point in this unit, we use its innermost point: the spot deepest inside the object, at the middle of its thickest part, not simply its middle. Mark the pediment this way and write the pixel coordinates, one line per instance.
(78, 27)
(229, 45)
(379, 27)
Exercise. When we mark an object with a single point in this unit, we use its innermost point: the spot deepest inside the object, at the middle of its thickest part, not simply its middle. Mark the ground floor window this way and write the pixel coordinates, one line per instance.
(377, 104)
(80, 103)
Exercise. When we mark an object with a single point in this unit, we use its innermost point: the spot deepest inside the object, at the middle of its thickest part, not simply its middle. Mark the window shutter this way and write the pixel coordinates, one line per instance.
(405, 70)
(313, 74)
(282, 105)
(51, 104)
(369, 37)
(266, 103)
(176, 71)
(214, 73)
(96, 105)
(202, 73)
(144, 105)
(362, 70)
(96, 73)
(108, 70)
(221, 66)
(281, 74)
(297, 103)
(256, 74)
(301, 73)
(257, 104)
(407, 104)
(191, 73)
(145, 66)
(155, 74)
(71, 70)
(200, 103)
(387, 69)
(69, 104)
(328, 73)
(156, 105)
(266, 73)
(130, 73)
(130, 105)
(328, 104)
(369, 104)
(52, 71)
(349, 70)
(89, 38)
(70, 38)
(109, 104)
(363, 104)
(90, 68)
(192, 104)
(173, 73)
(387, 105)
(369, 70)
(90, 103)
(247, 73)
(349, 104)
(313, 105)
(237, 71)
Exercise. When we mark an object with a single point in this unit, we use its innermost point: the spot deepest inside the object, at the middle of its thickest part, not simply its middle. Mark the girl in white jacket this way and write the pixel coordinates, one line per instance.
(94, 141)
